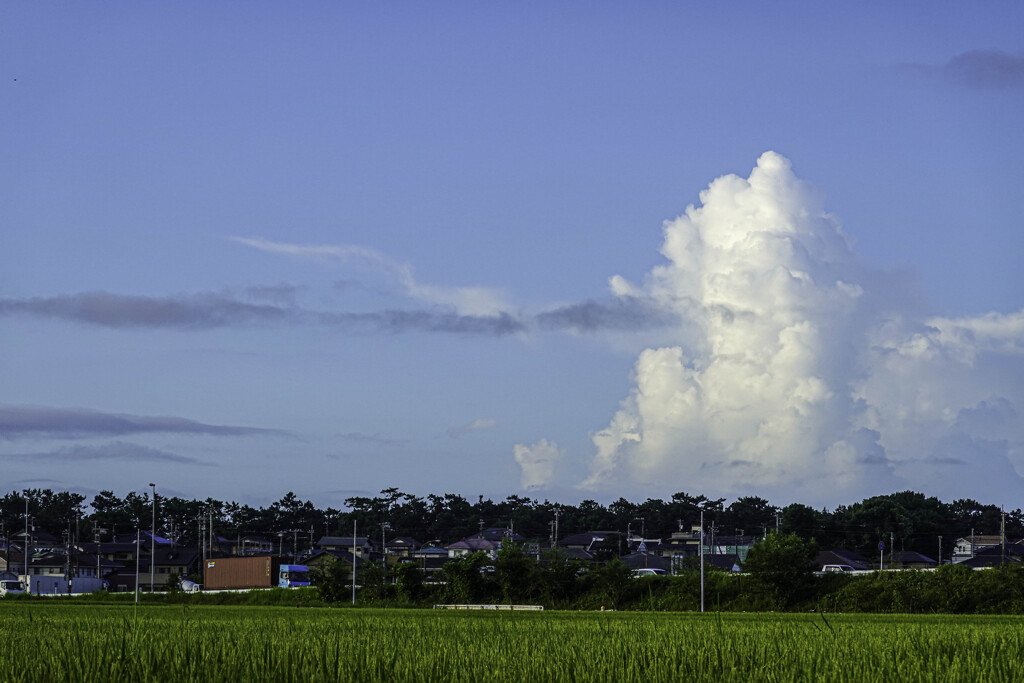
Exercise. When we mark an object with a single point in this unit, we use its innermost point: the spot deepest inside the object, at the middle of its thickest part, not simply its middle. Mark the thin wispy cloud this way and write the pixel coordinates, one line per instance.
(467, 301)
(376, 439)
(23, 421)
(474, 426)
(116, 451)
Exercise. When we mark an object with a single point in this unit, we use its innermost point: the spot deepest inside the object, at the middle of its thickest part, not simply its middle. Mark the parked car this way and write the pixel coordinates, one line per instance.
(11, 587)
(837, 568)
(637, 573)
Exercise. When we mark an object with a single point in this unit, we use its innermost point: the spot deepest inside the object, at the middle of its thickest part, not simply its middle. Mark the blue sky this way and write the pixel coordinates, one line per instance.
(247, 248)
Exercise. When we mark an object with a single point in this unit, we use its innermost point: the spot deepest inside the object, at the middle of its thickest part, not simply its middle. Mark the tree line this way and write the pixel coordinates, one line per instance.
(910, 520)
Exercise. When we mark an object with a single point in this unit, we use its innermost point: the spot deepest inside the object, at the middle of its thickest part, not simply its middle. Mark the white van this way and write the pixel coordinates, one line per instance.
(11, 587)
(837, 568)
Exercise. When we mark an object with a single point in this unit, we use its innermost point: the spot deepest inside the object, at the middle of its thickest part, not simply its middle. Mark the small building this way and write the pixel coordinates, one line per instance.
(362, 546)
(968, 546)
(843, 557)
(909, 559)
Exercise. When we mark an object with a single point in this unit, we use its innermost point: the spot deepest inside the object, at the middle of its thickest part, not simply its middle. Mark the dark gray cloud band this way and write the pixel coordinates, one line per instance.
(201, 311)
(19, 421)
(211, 310)
(976, 69)
(986, 69)
(619, 314)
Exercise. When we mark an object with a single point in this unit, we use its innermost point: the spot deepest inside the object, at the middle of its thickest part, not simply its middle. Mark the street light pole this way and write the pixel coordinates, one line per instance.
(152, 551)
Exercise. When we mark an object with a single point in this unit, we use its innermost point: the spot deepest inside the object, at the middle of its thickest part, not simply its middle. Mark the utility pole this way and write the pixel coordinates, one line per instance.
(940, 551)
(25, 544)
(701, 543)
(152, 552)
(138, 551)
(892, 544)
(353, 563)
(1002, 536)
(554, 545)
(778, 521)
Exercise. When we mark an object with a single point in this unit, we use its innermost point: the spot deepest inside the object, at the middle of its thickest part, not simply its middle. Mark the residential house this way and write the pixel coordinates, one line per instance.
(430, 560)
(843, 557)
(908, 559)
(169, 563)
(363, 546)
(605, 544)
(487, 541)
(401, 546)
(995, 555)
(968, 546)
(251, 545)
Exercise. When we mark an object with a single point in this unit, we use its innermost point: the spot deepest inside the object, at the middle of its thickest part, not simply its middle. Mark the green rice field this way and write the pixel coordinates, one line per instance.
(43, 641)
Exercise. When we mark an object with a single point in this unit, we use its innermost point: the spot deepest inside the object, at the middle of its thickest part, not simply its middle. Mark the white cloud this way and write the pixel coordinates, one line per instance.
(538, 462)
(474, 426)
(787, 370)
(475, 301)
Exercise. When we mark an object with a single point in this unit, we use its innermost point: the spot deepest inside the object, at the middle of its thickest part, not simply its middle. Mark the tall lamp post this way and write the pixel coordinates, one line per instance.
(152, 552)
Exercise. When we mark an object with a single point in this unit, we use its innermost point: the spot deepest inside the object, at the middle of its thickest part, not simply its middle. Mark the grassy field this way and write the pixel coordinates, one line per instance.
(43, 641)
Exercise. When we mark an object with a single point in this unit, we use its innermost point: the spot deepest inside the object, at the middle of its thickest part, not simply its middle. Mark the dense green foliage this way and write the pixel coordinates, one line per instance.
(42, 640)
(782, 567)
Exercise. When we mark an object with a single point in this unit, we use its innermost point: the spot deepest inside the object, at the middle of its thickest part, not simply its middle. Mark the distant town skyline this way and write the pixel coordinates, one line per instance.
(558, 251)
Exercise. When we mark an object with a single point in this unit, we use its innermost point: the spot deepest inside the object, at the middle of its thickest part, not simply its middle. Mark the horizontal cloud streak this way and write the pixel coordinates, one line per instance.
(118, 450)
(474, 426)
(18, 421)
(621, 313)
(205, 311)
(199, 311)
(424, 321)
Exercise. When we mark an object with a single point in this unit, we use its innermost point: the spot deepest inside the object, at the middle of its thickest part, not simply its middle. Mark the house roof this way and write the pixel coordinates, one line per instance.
(980, 539)
(500, 534)
(585, 540)
(728, 561)
(912, 557)
(734, 540)
(982, 560)
(344, 541)
(842, 556)
(341, 555)
(575, 553)
(474, 543)
(642, 560)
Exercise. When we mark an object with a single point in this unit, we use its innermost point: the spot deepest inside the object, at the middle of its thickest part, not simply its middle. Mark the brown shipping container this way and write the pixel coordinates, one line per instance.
(241, 572)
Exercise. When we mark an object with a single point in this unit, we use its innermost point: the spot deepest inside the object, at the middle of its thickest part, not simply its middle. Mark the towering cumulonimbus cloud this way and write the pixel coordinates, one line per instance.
(779, 374)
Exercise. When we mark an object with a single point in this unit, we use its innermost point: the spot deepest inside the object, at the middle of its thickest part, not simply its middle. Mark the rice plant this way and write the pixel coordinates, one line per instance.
(42, 641)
